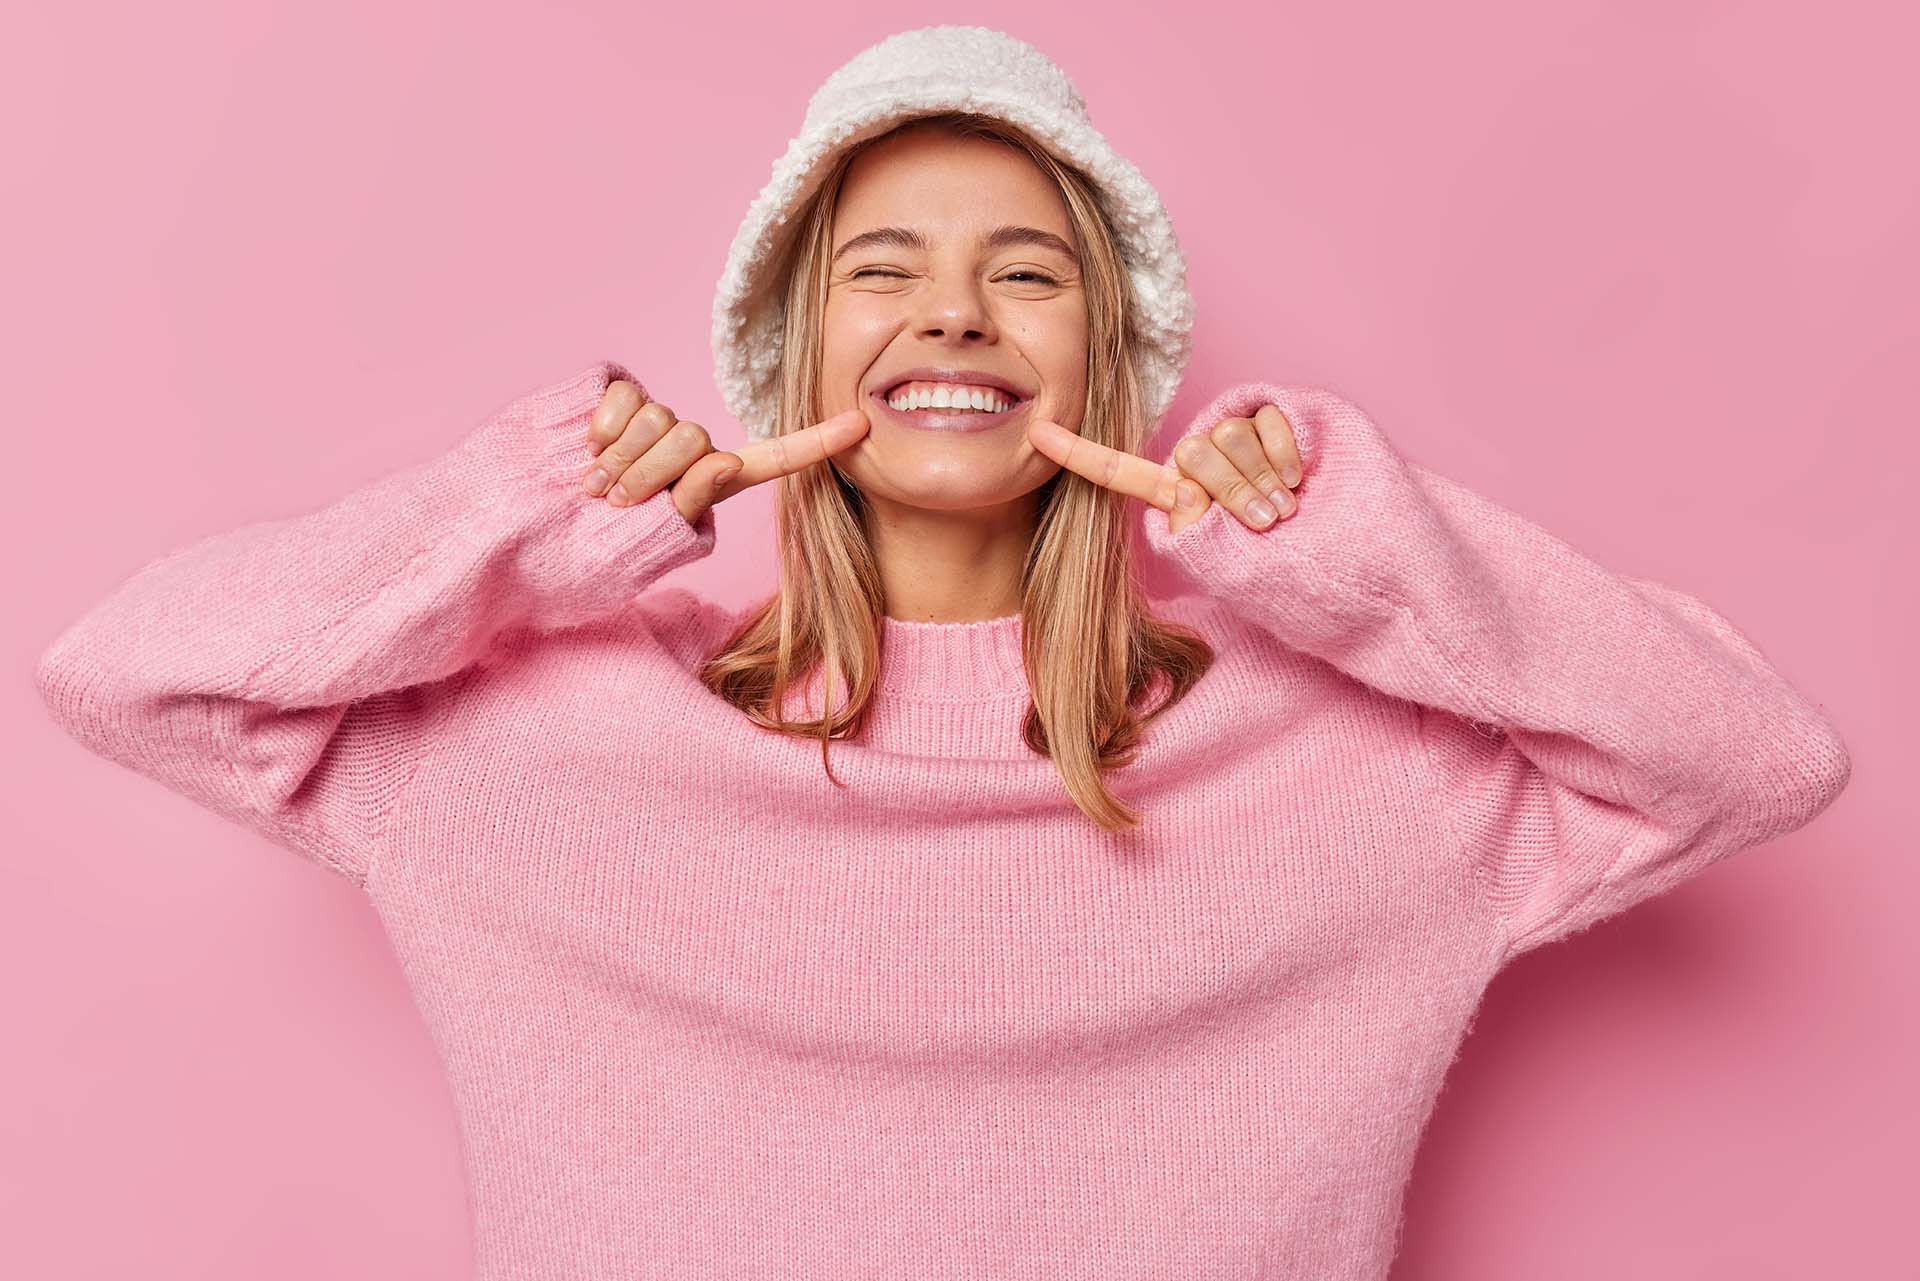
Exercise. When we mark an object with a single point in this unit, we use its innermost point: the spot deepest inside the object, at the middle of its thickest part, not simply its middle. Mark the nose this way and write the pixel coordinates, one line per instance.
(955, 311)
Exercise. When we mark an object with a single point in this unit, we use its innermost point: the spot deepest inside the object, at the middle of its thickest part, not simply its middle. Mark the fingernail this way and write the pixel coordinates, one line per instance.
(1283, 500)
(1290, 475)
(1262, 512)
(597, 481)
(620, 497)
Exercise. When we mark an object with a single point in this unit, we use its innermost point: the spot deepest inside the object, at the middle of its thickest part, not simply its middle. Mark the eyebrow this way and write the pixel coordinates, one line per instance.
(1000, 237)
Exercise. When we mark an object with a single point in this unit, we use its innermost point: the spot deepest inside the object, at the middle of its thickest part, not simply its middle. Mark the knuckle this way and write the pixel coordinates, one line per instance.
(619, 402)
(606, 416)
(1189, 451)
(1234, 431)
(689, 433)
(782, 446)
(639, 435)
(658, 416)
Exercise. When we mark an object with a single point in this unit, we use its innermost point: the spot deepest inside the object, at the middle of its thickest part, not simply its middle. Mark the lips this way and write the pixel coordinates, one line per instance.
(949, 419)
(954, 374)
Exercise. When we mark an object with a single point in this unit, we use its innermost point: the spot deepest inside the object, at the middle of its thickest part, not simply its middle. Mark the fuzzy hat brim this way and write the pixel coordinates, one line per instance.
(924, 72)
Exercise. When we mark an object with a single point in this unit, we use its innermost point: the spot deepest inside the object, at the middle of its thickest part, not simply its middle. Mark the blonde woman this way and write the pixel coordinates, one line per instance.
(957, 910)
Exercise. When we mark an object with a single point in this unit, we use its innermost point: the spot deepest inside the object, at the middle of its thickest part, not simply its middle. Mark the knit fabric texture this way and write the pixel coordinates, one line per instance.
(706, 1014)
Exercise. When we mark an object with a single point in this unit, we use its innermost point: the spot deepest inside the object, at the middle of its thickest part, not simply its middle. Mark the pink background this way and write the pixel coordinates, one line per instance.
(1642, 272)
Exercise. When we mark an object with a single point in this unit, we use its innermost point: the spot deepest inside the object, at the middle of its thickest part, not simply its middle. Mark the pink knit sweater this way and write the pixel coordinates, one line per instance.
(705, 1014)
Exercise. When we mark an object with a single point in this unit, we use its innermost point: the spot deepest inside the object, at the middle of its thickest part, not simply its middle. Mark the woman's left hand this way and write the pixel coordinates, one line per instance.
(1250, 464)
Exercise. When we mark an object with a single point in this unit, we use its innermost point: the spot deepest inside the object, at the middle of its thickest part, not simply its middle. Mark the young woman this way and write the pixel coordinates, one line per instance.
(957, 910)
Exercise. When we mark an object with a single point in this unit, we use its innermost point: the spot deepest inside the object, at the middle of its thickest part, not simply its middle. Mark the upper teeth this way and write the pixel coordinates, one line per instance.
(948, 396)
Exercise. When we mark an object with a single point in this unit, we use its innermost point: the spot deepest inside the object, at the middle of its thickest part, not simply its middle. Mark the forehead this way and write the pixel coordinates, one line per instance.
(948, 187)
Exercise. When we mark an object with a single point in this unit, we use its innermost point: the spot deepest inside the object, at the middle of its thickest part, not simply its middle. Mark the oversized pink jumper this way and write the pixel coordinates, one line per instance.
(706, 1014)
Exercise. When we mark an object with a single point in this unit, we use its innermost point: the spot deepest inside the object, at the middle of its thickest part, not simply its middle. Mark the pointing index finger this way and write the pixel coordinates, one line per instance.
(781, 455)
(1103, 465)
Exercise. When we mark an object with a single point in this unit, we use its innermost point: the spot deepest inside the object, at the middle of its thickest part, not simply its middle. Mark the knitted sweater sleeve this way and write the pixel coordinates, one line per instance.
(1595, 738)
(283, 674)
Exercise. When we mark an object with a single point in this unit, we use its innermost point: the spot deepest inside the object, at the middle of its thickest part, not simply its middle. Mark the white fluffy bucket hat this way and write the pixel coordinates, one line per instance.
(922, 72)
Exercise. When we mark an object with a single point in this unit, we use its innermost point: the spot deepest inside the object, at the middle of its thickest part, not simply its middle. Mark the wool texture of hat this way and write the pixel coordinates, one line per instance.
(924, 72)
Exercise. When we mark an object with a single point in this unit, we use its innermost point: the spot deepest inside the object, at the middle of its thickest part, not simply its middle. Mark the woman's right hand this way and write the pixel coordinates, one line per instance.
(639, 447)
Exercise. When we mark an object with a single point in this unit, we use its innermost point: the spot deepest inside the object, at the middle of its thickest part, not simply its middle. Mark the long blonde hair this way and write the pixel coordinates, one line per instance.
(1090, 647)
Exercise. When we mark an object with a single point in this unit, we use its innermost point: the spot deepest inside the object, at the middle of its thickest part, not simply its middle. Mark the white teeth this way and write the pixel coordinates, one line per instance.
(950, 397)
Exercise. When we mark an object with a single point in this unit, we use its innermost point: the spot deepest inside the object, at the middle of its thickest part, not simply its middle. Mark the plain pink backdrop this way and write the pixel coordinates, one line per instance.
(1642, 272)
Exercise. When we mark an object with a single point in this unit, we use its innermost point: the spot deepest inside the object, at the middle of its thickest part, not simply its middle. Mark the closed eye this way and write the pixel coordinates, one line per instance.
(877, 271)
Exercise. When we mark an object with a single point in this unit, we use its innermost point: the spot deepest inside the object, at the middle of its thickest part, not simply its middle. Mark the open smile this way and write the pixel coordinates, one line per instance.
(951, 419)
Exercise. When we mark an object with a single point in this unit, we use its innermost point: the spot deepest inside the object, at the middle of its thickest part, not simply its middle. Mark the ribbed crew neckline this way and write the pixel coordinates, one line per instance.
(946, 661)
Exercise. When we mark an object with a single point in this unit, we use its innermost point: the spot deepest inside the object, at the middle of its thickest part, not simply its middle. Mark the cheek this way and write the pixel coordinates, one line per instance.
(1068, 357)
(847, 353)
(1057, 347)
(860, 324)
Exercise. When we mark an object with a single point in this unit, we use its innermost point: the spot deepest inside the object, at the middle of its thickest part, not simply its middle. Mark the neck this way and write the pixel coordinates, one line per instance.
(951, 566)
